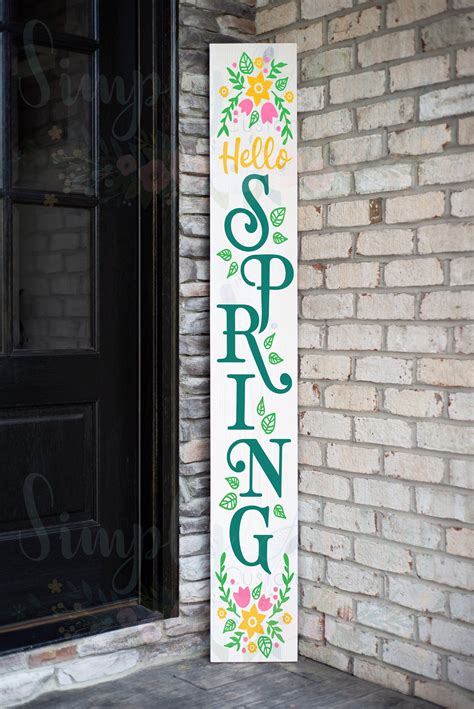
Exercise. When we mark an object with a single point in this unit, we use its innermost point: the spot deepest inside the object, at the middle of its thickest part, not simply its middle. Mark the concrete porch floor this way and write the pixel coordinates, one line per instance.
(198, 683)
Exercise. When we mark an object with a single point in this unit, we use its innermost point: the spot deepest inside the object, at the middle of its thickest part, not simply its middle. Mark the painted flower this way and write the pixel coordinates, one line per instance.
(221, 612)
(287, 618)
(126, 164)
(55, 133)
(246, 106)
(269, 112)
(259, 87)
(224, 91)
(264, 603)
(252, 647)
(289, 96)
(252, 622)
(154, 176)
(242, 597)
(50, 200)
(55, 586)
(259, 62)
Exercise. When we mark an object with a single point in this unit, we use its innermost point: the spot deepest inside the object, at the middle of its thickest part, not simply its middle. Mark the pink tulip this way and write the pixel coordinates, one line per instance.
(242, 598)
(246, 106)
(264, 603)
(269, 112)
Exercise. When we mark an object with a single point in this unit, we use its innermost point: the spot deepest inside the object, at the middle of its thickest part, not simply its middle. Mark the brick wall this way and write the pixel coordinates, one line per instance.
(386, 192)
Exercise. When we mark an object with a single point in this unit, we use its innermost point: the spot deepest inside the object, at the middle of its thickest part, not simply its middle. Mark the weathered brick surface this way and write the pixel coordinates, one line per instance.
(388, 439)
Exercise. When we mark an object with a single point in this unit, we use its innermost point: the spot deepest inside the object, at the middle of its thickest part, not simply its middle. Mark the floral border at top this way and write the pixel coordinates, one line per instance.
(258, 89)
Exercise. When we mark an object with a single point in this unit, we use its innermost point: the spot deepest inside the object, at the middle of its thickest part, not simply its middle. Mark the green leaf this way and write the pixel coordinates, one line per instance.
(229, 501)
(265, 645)
(269, 341)
(278, 511)
(261, 407)
(268, 423)
(254, 118)
(274, 358)
(281, 84)
(233, 268)
(278, 238)
(233, 482)
(225, 254)
(257, 591)
(229, 625)
(245, 64)
(277, 216)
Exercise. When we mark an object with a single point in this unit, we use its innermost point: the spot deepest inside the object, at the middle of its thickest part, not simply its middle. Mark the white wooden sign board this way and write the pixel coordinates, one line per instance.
(254, 533)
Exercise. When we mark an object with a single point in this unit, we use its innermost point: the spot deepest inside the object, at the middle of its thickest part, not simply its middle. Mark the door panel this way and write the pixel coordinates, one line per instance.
(69, 311)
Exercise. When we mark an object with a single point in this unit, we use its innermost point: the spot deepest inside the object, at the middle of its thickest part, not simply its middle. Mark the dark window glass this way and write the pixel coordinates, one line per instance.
(72, 16)
(51, 279)
(2, 289)
(52, 120)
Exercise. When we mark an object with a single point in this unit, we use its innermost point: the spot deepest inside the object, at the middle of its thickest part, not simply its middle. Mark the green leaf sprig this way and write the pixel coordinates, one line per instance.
(221, 576)
(284, 594)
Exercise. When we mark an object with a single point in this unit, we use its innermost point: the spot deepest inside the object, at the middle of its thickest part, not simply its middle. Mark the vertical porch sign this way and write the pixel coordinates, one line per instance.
(253, 352)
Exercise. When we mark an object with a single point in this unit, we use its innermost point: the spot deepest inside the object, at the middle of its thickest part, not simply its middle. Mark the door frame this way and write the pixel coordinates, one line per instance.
(158, 438)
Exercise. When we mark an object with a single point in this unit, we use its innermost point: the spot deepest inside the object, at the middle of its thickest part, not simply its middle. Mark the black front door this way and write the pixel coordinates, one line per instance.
(76, 175)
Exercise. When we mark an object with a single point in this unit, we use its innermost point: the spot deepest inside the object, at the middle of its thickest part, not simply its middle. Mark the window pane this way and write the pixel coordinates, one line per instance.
(2, 289)
(73, 16)
(51, 279)
(2, 107)
(51, 121)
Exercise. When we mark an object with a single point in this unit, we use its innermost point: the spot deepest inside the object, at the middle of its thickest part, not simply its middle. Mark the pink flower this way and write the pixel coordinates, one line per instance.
(246, 106)
(234, 64)
(126, 164)
(269, 112)
(242, 598)
(154, 176)
(264, 603)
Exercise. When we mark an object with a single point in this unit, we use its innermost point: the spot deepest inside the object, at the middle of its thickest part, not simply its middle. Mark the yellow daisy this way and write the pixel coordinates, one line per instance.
(259, 64)
(221, 612)
(289, 96)
(224, 91)
(252, 647)
(287, 618)
(259, 88)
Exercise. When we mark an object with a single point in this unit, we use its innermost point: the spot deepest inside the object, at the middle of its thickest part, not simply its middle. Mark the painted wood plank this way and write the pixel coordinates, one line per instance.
(253, 353)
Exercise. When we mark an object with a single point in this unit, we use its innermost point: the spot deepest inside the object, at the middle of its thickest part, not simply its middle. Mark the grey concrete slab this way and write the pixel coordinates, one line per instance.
(201, 685)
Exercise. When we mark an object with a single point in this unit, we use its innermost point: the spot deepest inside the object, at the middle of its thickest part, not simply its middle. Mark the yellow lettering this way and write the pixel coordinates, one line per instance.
(260, 156)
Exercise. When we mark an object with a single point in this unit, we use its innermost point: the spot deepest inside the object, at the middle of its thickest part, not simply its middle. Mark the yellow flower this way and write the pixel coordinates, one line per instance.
(55, 133)
(259, 88)
(252, 622)
(224, 91)
(55, 586)
(290, 97)
(221, 612)
(259, 64)
(50, 200)
(252, 647)
(287, 618)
